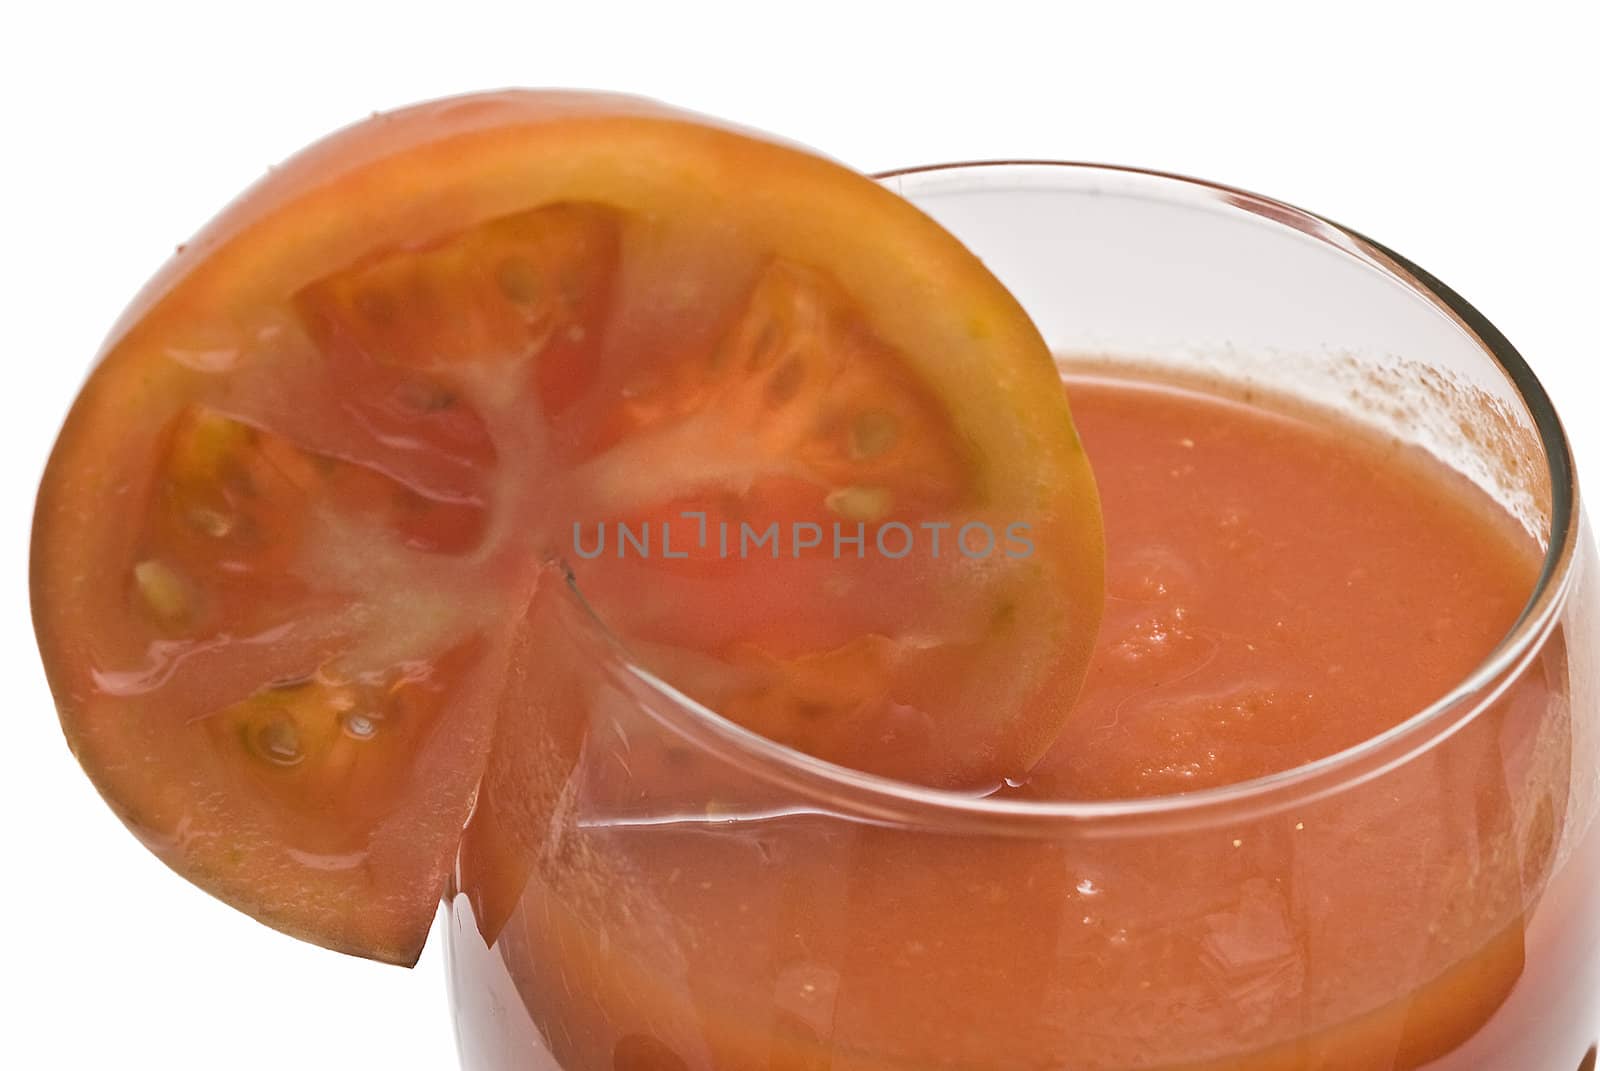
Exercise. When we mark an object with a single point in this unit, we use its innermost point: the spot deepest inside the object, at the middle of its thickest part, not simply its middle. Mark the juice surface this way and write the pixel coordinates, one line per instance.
(1280, 586)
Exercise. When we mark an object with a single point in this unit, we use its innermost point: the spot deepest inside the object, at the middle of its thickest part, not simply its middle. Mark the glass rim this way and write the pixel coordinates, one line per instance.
(873, 797)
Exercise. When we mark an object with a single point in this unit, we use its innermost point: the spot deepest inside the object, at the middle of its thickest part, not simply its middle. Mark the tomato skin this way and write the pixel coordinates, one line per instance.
(217, 321)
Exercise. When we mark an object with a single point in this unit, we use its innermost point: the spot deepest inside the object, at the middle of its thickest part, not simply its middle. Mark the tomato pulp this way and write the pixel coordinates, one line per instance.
(346, 430)
(1281, 585)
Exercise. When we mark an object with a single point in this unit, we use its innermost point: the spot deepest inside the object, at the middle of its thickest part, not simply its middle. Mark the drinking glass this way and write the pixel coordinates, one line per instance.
(646, 886)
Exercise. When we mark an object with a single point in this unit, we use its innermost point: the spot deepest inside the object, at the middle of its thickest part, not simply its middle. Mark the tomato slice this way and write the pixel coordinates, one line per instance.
(344, 432)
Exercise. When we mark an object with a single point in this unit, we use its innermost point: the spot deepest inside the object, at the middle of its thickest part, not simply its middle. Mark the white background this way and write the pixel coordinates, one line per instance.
(1467, 145)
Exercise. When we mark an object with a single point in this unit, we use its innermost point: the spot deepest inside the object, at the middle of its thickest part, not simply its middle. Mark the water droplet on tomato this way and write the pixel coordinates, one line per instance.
(212, 359)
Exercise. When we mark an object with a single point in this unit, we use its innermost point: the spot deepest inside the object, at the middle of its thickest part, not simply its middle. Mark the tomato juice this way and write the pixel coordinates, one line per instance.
(1281, 585)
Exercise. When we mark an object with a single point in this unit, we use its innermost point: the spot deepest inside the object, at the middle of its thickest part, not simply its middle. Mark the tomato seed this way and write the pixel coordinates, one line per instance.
(278, 742)
(163, 590)
(785, 383)
(377, 306)
(872, 433)
(766, 342)
(518, 280)
(211, 522)
(860, 503)
(423, 396)
(359, 726)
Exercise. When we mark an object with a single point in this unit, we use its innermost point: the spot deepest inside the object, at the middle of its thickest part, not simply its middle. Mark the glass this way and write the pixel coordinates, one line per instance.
(662, 890)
